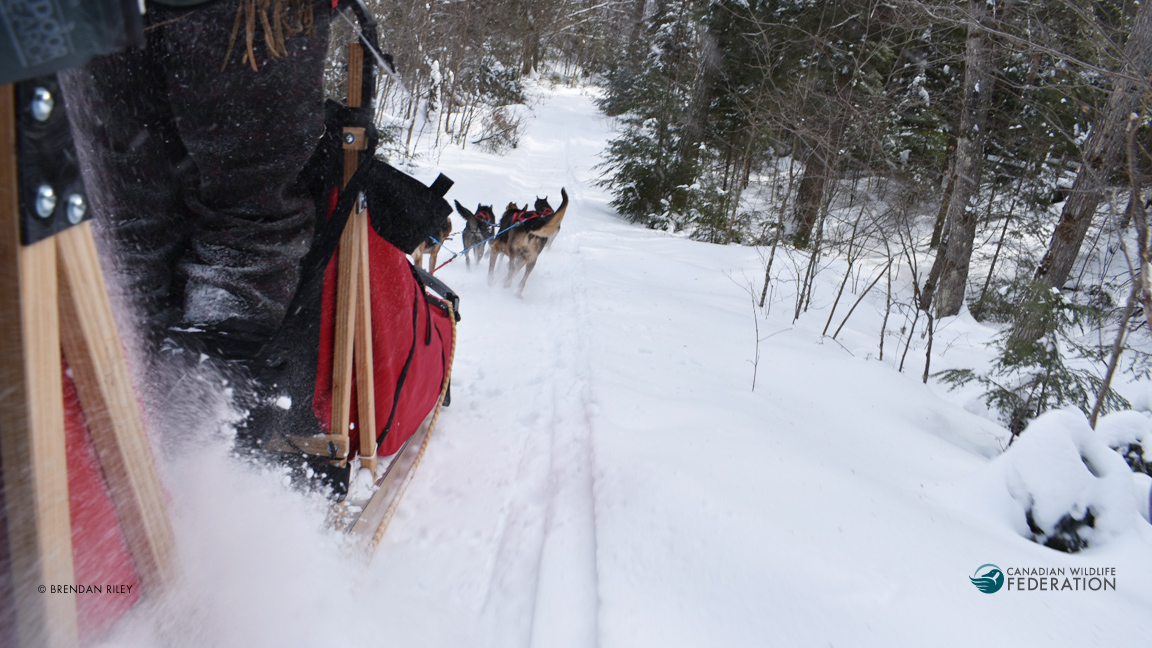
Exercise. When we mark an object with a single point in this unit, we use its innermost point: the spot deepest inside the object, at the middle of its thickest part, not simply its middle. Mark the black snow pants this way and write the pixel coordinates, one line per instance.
(192, 166)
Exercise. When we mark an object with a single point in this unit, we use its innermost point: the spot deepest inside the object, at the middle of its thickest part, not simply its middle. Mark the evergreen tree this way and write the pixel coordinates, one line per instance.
(1028, 379)
(652, 165)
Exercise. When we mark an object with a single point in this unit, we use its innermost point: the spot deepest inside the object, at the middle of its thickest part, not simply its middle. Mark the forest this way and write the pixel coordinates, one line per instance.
(990, 153)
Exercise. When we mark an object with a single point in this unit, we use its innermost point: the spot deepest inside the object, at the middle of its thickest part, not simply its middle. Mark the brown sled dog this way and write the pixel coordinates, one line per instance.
(477, 230)
(523, 235)
(431, 247)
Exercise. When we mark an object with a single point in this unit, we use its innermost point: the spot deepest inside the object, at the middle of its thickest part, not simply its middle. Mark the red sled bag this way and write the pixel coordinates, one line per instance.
(412, 330)
(412, 341)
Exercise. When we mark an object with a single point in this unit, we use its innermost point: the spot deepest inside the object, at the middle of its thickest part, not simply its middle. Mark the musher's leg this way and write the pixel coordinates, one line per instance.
(249, 134)
(129, 154)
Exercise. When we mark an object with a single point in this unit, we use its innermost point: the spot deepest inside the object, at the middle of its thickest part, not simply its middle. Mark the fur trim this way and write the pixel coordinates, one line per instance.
(280, 19)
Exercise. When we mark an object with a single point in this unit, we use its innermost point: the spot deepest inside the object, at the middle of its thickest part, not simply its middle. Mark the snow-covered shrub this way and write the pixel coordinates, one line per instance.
(656, 93)
(707, 213)
(649, 185)
(501, 132)
(1130, 434)
(1072, 490)
(497, 84)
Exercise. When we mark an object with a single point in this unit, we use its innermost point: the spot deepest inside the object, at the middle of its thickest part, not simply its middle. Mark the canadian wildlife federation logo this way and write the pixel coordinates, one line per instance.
(988, 578)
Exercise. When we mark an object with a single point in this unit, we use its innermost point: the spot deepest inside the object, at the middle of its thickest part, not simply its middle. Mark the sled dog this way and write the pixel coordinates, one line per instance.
(523, 235)
(477, 230)
(431, 246)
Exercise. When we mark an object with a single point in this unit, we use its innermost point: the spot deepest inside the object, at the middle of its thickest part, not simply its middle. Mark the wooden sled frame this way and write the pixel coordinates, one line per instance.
(353, 349)
(353, 345)
(53, 298)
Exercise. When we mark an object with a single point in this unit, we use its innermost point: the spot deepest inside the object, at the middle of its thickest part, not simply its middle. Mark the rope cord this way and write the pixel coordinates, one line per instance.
(375, 51)
(465, 250)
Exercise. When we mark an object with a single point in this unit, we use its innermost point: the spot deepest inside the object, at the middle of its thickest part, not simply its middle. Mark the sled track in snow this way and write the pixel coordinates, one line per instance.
(567, 575)
(543, 584)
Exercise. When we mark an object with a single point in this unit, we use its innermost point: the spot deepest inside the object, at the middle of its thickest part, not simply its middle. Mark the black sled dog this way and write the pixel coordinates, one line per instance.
(523, 235)
(477, 230)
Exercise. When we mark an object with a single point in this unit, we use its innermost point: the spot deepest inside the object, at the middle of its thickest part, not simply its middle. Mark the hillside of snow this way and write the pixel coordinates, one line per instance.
(606, 475)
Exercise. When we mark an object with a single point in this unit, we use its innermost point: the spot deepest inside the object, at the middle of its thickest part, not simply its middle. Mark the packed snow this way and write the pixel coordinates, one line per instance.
(606, 475)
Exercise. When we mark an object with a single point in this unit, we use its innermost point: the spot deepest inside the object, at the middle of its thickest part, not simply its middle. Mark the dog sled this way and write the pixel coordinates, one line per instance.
(365, 356)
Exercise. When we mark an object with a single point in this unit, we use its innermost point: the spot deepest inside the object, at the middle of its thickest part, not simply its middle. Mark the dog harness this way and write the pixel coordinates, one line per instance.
(525, 215)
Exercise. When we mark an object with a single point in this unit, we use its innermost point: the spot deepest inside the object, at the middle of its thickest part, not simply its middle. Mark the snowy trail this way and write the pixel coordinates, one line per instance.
(542, 337)
(567, 593)
(522, 414)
